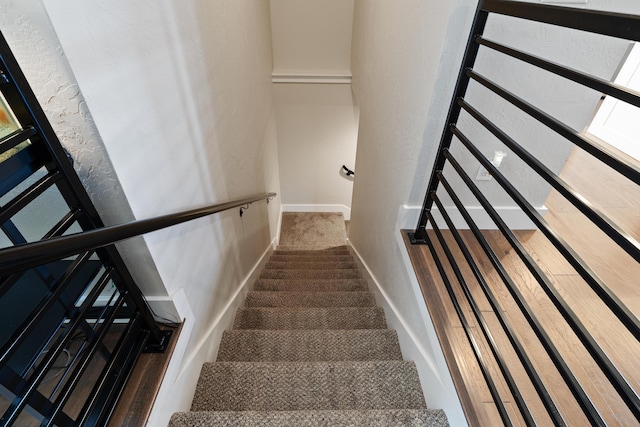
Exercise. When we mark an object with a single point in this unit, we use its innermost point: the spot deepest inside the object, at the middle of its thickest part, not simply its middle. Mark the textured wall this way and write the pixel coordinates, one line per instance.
(30, 35)
(181, 94)
(570, 103)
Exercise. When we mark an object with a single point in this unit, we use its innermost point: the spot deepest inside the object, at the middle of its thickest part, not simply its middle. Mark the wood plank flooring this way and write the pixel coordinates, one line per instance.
(135, 404)
(609, 193)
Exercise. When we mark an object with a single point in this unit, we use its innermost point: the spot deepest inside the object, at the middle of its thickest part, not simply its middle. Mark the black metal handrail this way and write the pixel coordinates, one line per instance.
(603, 23)
(348, 171)
(28, 255)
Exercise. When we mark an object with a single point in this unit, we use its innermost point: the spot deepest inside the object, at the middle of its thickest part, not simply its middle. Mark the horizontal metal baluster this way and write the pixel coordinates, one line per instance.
(594, 21)
(15, 138)
(556, 357)
(484, 327)
(86, 305)
(511, 334)
(29, 195)
(124, 345)
(599, 218)
(463, 319)
(626, 316)
(89, 352)
(45, 365)
(608, 368)
(596, 83)
(604, 154)
(42, 309)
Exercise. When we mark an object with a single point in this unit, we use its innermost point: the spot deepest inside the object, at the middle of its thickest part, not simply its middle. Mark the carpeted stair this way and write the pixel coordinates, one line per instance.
(310, 348)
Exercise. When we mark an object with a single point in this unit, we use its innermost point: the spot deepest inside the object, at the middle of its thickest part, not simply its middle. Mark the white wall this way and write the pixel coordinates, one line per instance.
(405, 54)
(311, 37)
(618, 6)
(30, 34)
(406, 57)
(181, 94)
(317, 134)
(317, 128)
(570, 103)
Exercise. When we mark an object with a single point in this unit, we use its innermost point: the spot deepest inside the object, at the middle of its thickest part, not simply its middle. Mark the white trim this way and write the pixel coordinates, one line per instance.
(311, 78)
(345, 210)
(181, 363)
(396, 312)
(436, 381)
(514, 217)
(279, 228)
(231, 304)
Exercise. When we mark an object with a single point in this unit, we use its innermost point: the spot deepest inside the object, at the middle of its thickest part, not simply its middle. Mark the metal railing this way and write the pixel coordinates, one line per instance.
(451, 178)
(28, 255)
(74, 321)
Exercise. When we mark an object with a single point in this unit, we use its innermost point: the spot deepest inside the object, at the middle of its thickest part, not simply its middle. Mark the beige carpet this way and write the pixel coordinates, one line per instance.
(310, 347)
(319, 229)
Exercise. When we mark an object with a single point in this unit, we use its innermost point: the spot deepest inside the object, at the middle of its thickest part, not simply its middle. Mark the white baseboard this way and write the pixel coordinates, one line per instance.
(435, 378)
(184, 367)
(514, 217)
(345, 210)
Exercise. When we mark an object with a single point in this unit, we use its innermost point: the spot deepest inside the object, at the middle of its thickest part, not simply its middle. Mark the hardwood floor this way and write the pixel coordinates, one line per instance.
(135, 404)
(617, 198)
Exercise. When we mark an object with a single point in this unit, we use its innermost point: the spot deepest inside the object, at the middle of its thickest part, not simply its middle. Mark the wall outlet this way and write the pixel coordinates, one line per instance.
(483, 174)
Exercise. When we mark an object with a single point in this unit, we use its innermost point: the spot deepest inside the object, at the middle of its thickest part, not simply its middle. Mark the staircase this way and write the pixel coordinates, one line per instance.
(310, 347)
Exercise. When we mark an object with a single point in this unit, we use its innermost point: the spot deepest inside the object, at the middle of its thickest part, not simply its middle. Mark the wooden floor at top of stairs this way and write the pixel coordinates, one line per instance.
(134, 407)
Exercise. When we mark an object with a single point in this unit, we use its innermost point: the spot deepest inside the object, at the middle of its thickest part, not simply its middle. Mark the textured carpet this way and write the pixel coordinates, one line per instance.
(312, 229)
(316, 285)
(321, 345)
(345, 418)
(290, 386)
(310, 347)
(309, 299)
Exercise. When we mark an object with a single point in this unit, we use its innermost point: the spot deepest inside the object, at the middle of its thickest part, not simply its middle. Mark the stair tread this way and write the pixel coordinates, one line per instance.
(310, 318)
(309, 299)
(327, 418)
(309, 345)
(311, 285)
(239, 386)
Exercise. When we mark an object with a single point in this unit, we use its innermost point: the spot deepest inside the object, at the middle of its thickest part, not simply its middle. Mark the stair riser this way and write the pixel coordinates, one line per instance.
(338, 285)
(310, 299)
(332, 252)
(308, 346)
(271, 265)
(307, 258)
(310, 274)
(310, 318)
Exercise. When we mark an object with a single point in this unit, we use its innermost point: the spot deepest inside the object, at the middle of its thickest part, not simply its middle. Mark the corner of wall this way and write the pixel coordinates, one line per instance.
(184, 367)
(437, 384)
